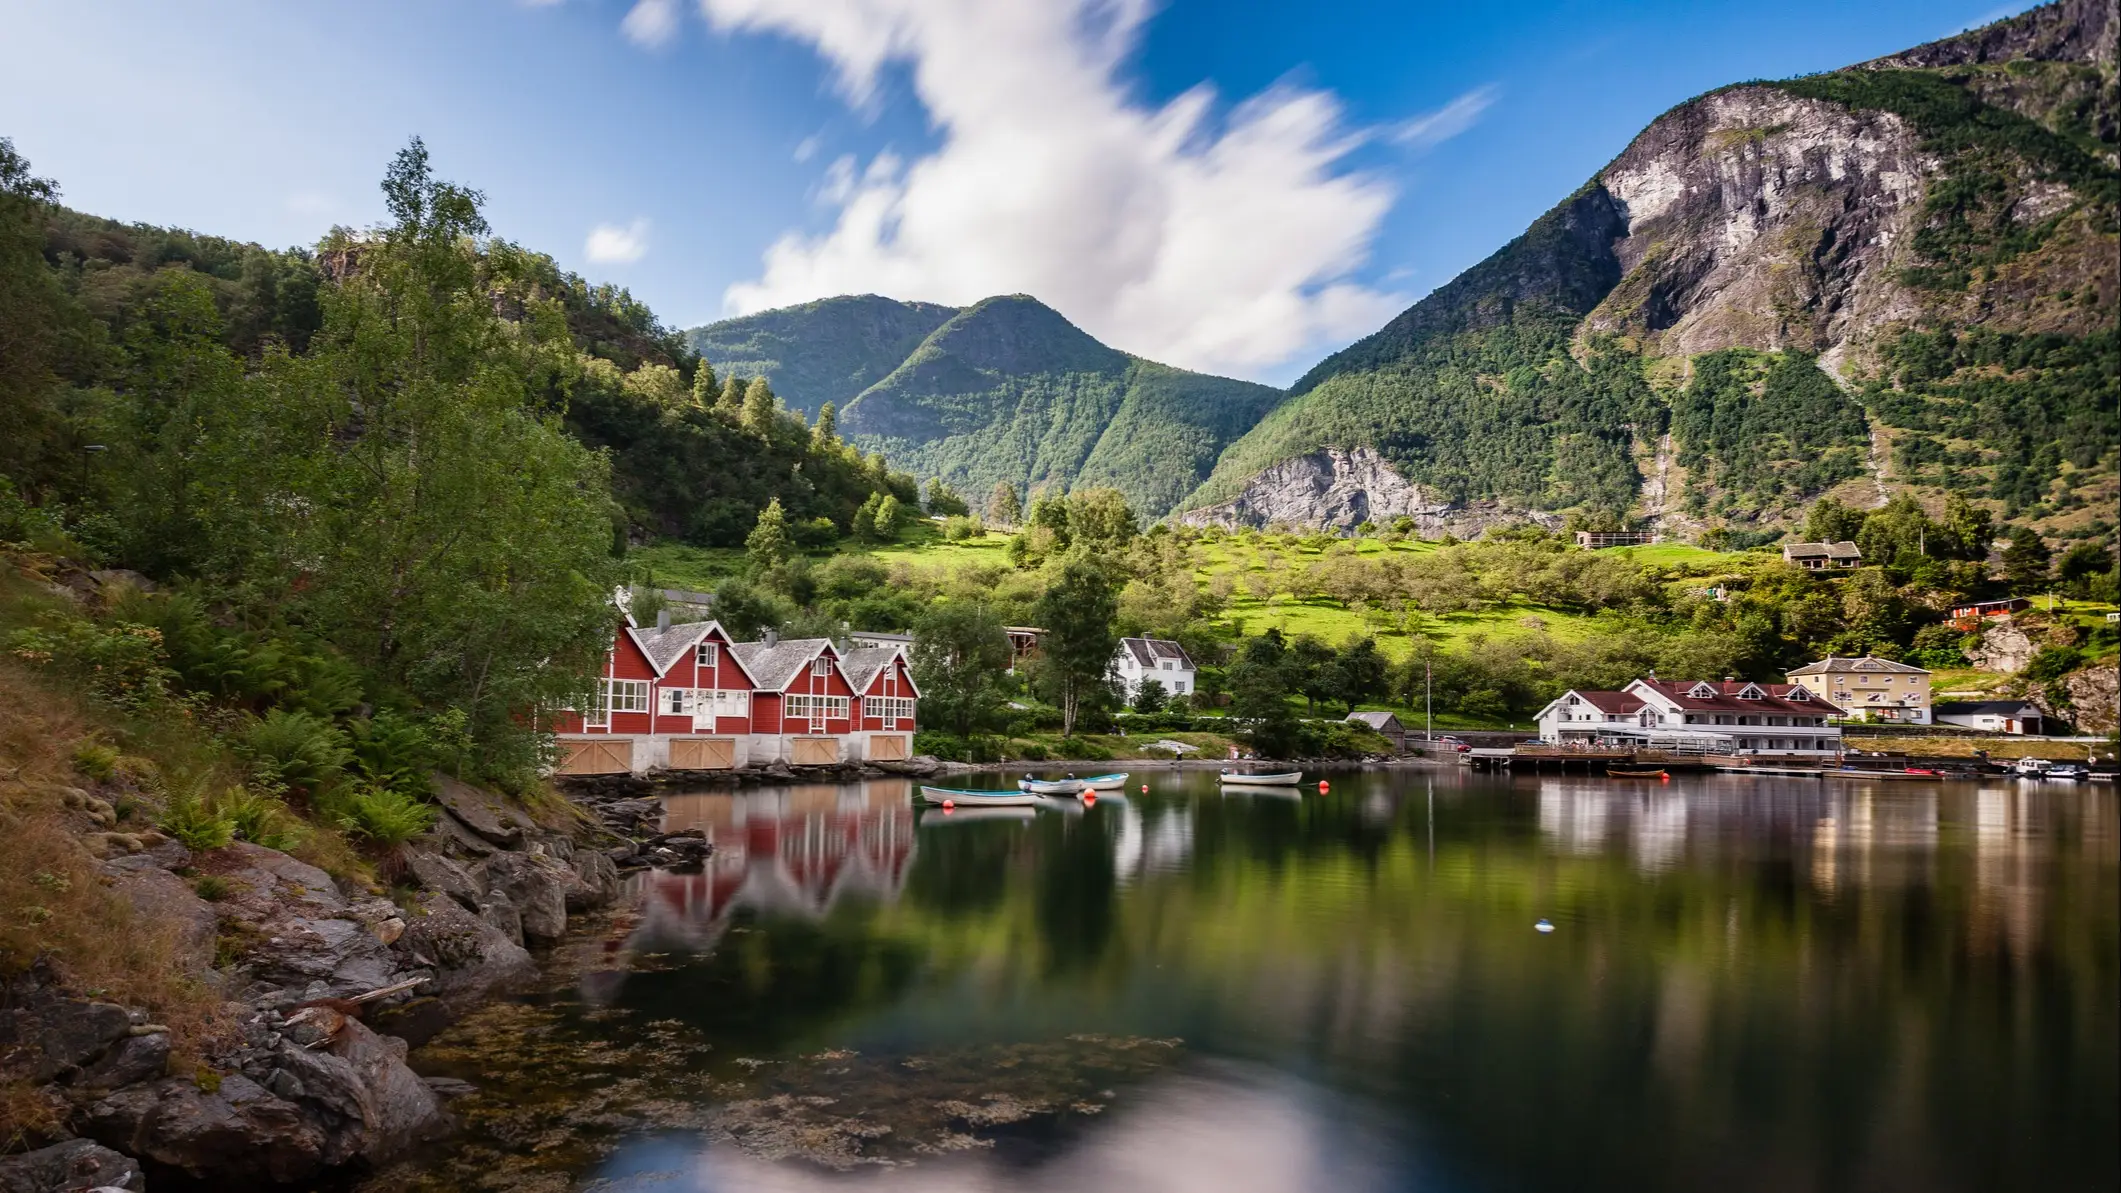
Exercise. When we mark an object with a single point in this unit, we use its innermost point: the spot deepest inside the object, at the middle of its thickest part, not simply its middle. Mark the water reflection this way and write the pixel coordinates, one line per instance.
(1755, 983)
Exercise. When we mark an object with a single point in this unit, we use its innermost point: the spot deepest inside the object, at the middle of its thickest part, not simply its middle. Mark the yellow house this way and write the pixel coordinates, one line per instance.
(1870, 689)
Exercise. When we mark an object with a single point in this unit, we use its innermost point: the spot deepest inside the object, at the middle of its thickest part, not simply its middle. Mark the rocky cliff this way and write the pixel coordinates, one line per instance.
(1912, 223)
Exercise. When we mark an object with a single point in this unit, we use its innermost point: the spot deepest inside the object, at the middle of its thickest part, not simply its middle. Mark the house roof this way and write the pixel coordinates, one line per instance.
(1148, 652)
(665, 647)
(774, 667)
(1994, 708)
(1867, 664)
(1375, 720)
(862, 665)
(1614, 702)
(1723, 696)
(1840, 550)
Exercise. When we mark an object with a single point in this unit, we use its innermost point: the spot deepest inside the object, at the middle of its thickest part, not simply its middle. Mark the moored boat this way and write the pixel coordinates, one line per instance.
(1106, 782)
(978, 799)
(1617, 772)
(1280, 779)
(1068, 786)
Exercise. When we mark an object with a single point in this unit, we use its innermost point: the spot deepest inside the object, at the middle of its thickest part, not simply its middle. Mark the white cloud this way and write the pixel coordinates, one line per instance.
(609, 244)
(1434, 128)
(1223, 245)
(807, 148)
(651, 22)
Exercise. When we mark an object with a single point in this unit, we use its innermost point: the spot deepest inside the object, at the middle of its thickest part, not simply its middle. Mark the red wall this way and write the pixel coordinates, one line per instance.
(725, 676)
(831, 684)
(894, 680)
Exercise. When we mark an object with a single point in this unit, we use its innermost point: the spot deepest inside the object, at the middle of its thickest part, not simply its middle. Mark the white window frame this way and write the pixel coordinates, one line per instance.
(628, 695)
(889, 709)
(706, 654)
(821, 667)
(680, 702)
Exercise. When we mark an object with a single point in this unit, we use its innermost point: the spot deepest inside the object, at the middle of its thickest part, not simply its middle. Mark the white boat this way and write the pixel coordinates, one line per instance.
(2030, 768)
(1283, 779)
(940, 796)
(1068, 786)
(1116, 782)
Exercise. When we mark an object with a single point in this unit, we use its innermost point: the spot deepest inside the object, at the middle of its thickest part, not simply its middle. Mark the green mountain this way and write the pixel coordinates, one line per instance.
(1003, 390)
(1898, 275)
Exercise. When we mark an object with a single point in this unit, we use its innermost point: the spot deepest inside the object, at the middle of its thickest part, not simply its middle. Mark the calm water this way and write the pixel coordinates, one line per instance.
(1752, 985)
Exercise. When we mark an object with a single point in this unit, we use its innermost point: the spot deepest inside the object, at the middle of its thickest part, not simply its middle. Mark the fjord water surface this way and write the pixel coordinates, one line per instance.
(1752, 984)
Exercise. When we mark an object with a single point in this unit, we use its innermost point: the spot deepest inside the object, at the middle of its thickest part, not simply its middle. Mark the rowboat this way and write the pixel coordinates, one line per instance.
(1106, 782)
(1614, 772)
(1284, 779)
(1067, 786)
(978, 799)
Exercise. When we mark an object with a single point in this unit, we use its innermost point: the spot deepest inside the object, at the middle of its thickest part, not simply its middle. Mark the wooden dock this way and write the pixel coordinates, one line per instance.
(1537, 756)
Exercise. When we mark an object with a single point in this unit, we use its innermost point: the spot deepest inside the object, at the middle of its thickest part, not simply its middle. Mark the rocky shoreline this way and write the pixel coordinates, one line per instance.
(324, 991)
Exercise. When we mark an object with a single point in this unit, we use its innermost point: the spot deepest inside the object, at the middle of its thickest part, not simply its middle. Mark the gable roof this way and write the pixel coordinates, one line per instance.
(1999, 708)
(1840, 550)
(774, 667)
(1375, 720)
(1868, 664)
(1605, 702)
(1725, 697)
(665, 647)
(863, 664)
(1148, 651)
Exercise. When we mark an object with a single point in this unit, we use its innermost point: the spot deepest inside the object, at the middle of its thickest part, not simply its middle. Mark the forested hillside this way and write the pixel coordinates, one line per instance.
(1005, 391)
(1935, 232)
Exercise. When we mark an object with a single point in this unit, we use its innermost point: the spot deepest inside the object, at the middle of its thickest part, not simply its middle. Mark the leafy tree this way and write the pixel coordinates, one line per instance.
(731, 404)
(1363, 672)
(706, 391)
(2026, 560)
(825, 433)
(1003, 509)
(768, 545)
(1149, 696)
(762, 411)
(1969, 526)
(2083, 563)
(960, 653)
(889, 518)
(34, 329)
(1077, 611)
(1308, 667)
(943, 501)
(1099, 516)
(1049, 511)
(863, 526)
(1829, 521)
(1259, 695)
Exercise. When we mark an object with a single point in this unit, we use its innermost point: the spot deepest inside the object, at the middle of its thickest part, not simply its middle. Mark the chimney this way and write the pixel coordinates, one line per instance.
(773, 637)
(662, 620)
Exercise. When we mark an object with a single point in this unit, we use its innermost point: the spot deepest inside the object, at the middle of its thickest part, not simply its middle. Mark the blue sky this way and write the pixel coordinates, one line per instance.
(1235, 185)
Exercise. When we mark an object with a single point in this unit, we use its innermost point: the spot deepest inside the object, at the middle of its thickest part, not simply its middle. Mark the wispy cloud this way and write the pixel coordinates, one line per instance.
(651, 22)
(807, 148)
(609, 244)
(1224, 244)
(1434, 128)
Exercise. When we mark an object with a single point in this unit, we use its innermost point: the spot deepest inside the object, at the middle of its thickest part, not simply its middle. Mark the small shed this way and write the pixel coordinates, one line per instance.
(1821, 557)
(1385, 724)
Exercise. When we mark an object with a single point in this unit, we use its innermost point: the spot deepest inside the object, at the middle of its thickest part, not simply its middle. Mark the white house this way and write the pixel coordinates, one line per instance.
(1871, 689)
(1993, 716)
(1727, 717)
(1159, 659)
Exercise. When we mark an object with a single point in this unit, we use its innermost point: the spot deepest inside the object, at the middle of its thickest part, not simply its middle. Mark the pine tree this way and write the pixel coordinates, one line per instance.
(732, 399)
(826, 434)
(761, 408)
(2026, 561)
(767, 545)
(1003, 509)
(705, 389)
(943, 500)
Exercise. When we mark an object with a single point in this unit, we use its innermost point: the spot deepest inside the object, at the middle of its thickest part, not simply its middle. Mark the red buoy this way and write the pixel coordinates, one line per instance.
(1089, 799)
(949, 805)
(1145, 789)
(1324, 787)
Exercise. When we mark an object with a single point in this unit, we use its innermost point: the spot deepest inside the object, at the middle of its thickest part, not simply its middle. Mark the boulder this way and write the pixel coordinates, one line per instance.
(236, 1133)
(471, 958)
(360, 1093)
(2001, 645)
(344, 954)
(157, 894)
(443, 876)
(45, 1036)
(596, 881)
(68, 1167)
(132, 1059)
(538, 886)
(480, 811)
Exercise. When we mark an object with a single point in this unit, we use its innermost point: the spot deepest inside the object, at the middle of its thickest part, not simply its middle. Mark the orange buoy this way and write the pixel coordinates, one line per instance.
(1145, 789)
(1089, 799)
(1324, 787)
(949, 805)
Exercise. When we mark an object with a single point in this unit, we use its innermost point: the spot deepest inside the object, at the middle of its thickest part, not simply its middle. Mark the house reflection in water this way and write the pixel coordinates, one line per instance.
(779, 851)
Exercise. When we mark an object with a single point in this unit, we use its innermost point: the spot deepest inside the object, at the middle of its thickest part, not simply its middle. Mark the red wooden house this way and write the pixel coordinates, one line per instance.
(884, 678)
(674, 696)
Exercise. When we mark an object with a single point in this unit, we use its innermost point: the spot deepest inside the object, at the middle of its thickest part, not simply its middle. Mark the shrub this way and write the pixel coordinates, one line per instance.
(380, 815)
(212, 887)
(119, 663)
(260, 819)
(959, 528)
(97, 761)
(1029, 751)
(390, 750)
(304, 753)
(194, 823)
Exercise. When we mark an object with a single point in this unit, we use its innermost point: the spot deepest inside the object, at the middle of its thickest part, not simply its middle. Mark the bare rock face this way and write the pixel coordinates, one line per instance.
(1341, 489)
(2094, 694)
(68, 1167)
(2004, 646)
(237, 1133)
(1760, 219)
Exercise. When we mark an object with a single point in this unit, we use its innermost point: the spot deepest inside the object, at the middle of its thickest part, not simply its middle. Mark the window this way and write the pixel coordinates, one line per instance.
(824, 708)
(705, 654)
(821, 667)
(626, 695)
(731, 704)
(888, 708)
(677, 702)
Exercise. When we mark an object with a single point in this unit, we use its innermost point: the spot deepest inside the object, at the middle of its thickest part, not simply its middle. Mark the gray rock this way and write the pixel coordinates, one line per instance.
(450, 1087)
(344, 954)
(238, 1133)
(538, 886)
(500, 911)
(66, 1167)
(480, 811)
(596, 881)
(471, 957)
(157, 894)
(443, 875)
(135, 1058)
(47, 1036)
(273, 873)
(360, 1092)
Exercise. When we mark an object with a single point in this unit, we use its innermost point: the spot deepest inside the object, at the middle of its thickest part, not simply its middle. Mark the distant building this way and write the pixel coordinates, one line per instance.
(679, 604)
(1870, 689)
(1385, 725)
(1159, 659)
(1967, 616)
(1993, 716)
(1821, 557)
(1731, 717)
(1023, 643)
(1594, 539)
(875, 639)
